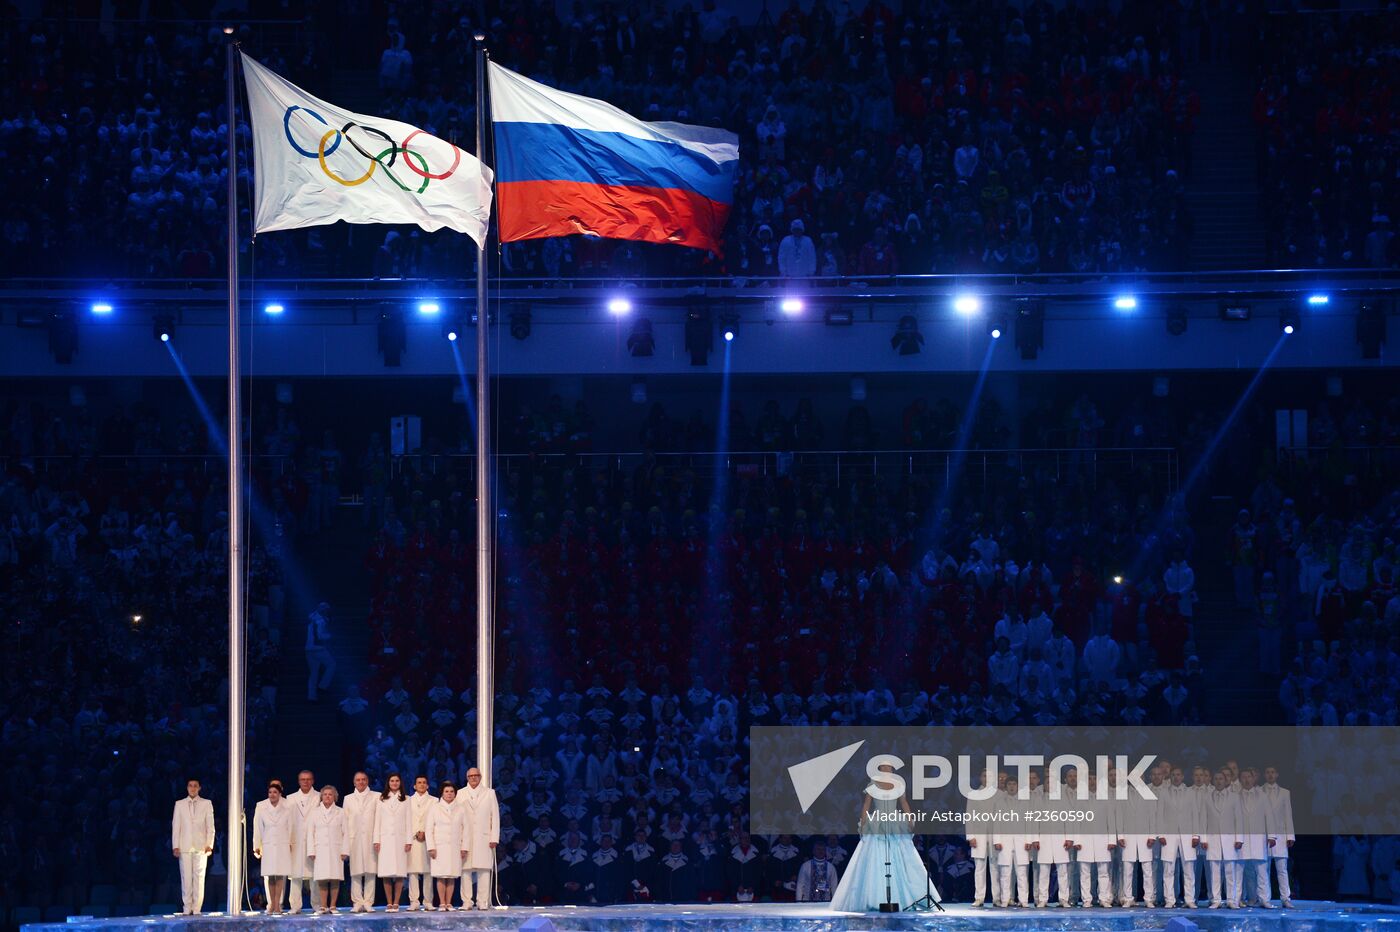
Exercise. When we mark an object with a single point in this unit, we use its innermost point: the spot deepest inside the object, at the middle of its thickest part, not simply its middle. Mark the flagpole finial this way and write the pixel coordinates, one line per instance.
(228, 30)
(480, 37)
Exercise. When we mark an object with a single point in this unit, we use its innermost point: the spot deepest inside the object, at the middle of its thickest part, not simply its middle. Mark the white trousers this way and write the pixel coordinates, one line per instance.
(192, 864)
(420, 890)
(1042, 883)
(1232, 881)
(1260, 870)
(1281, 866)
(362, 890)
(298, 889)
(981, 867)
(1086, 882)
(483, 887)
(1126, 887)
(1022, 888)
(1188, 894)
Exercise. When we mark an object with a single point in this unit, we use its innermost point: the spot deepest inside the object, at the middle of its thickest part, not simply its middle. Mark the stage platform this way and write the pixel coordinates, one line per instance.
(1305, 917)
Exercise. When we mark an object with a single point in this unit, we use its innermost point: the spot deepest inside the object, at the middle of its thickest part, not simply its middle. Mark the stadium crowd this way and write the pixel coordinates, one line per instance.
(936, 139)
(113, 587)
(1328, 139)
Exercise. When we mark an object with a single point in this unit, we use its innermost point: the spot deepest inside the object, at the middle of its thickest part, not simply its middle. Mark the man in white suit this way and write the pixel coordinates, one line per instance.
(360, 809)
(305, 800)
(979, 841)
(1281, 836)
(481, 833)
(192, 840)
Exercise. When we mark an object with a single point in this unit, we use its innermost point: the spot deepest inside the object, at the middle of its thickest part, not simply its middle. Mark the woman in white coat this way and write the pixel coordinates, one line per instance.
(328, 848)
(447, 847)
(274, 839)
(391, 846)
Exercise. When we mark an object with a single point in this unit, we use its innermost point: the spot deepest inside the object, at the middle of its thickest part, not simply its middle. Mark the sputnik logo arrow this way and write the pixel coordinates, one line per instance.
(814, 775)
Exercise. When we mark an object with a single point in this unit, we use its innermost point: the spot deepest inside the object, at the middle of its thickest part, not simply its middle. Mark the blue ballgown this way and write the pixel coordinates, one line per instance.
(862, 887)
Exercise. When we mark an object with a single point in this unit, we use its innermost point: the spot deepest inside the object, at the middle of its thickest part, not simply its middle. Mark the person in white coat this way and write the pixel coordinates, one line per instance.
(1055, 840)
(305, 801)
(420, 884)
(1178, 837)
(482, 826)
(1136, 839)
(328, 848)
(1020, 840)
(980, 842)
(1254, 854)
(360, 809)
(447, 848)
(797, 254)
(391, 840)
(1281, 837)
(1196, 876)
(1180, 581)
(275, 824)
(1095, 849)
(1222, 841)
(192, 840)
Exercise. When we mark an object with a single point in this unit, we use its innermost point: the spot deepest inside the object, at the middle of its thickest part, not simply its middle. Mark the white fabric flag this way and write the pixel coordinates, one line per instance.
(316, 163)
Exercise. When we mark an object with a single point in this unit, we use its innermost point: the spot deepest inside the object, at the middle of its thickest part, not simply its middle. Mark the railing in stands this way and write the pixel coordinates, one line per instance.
(982, 467)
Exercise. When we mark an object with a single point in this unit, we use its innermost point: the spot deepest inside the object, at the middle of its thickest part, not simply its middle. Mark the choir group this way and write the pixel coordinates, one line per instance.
(1219, 827)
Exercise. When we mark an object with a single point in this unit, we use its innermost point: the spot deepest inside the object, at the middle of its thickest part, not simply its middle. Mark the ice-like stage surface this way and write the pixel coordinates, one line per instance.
(1311, 916)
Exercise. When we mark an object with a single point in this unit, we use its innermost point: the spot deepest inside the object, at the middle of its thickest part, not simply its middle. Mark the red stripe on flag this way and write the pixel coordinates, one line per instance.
(535, 209)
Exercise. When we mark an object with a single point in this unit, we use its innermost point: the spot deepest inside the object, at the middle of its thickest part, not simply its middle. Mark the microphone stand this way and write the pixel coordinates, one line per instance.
(926, 901)
(889, 906)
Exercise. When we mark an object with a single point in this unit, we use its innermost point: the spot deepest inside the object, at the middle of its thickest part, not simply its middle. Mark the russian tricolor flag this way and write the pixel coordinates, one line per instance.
(568, 164)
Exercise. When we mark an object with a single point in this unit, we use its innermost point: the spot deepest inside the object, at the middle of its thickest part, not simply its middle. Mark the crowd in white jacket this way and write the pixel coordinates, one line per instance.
(407, 840)
(1216, 828)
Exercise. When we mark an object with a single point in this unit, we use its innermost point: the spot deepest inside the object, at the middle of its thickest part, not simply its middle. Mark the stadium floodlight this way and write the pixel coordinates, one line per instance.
(272, 310)
(996, 326)
(1125, 302)
(1319, 300)
(967, 304)
(1288, 320)
(101, 307)
(428, 308)
(451, 329)
(163, 327)
(729, 324)
(619, 307)
(792, 306)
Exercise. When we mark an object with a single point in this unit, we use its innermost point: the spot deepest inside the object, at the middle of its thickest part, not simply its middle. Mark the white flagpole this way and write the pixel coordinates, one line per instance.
(236, 719)
(485, 509)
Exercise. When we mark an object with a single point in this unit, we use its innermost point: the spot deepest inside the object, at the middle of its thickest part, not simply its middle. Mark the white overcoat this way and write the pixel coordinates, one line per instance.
(481, 826)
(275, 836)
(419, 805)
(360, 810)
(391, 821)
(328, 839)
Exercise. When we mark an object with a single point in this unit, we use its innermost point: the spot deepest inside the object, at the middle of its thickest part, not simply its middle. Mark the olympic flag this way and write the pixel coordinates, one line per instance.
(571, 164)
(315, 163)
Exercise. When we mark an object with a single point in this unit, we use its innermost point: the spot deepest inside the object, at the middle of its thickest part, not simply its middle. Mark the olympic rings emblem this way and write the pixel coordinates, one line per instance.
(325, 147)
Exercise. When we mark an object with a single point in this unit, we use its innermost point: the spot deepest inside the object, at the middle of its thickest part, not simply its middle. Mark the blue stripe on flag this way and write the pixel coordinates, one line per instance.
(551, 152)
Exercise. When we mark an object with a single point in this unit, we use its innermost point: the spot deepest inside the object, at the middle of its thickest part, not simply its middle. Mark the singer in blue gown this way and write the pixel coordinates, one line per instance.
(862, 887)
